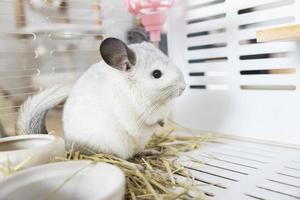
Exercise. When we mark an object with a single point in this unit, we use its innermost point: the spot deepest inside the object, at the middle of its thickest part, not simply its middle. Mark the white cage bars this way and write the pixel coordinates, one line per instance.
(237, 86)
(243, 88)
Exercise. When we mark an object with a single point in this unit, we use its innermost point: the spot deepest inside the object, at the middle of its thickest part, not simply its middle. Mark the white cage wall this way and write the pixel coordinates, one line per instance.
(236, 85)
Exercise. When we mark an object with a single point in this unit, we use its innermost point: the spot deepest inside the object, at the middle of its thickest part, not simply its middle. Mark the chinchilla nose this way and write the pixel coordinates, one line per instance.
(180, 82)
(182, 87)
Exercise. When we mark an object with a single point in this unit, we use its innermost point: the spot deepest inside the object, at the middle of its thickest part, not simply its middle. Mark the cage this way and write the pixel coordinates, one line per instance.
(240, 60)
(241, 82)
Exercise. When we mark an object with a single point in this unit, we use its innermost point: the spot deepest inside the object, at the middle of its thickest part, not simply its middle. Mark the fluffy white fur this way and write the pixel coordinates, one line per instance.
(103, 111)
(109, 110)
(31, 119)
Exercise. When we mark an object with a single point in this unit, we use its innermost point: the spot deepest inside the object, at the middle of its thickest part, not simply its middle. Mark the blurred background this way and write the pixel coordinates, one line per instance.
(45, 42)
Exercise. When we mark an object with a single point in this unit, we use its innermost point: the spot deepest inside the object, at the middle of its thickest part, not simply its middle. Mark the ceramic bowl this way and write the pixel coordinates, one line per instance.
(23, 151)
(70, 180)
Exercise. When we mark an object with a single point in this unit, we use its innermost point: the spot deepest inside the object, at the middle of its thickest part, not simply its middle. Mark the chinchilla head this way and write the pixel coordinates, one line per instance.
(146, 68)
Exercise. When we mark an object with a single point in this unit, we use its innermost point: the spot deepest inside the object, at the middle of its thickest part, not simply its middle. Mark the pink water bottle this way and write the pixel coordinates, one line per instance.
(152, 13)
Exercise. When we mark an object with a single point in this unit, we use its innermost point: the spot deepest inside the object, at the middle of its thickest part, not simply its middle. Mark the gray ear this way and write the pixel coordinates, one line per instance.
(116, 54)
(137, 36)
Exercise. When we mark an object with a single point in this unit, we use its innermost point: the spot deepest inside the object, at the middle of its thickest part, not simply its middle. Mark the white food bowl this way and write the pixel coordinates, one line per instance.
(70, 180)
(23, 151)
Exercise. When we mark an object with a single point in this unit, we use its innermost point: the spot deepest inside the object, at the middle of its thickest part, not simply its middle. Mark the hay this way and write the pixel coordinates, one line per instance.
(8, 168)
(156, 172)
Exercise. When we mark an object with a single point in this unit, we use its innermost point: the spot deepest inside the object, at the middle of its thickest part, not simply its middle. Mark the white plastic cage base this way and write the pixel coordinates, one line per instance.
(238, 169)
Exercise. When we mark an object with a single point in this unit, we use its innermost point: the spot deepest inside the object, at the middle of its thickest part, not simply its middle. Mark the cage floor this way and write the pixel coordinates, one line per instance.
(236, 169)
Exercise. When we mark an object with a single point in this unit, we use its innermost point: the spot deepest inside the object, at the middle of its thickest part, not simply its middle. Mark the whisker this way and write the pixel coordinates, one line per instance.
(152, 109)
(155, 100)
(154, 106)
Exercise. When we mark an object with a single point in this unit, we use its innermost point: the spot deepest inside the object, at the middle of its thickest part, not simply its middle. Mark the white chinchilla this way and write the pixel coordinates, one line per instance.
(117, 104)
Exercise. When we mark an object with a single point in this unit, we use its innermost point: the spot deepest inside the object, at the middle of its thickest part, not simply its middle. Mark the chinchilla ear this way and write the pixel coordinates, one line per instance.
(116, 54)
(137, 36)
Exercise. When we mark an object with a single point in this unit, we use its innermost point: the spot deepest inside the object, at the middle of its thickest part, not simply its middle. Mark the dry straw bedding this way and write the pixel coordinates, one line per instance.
(156, 173)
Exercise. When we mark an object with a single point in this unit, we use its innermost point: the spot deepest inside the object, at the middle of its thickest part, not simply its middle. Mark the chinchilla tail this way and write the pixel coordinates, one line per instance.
(33, 112)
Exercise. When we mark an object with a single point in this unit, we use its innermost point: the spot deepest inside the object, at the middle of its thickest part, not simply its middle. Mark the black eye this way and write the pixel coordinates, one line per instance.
(156, 73)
